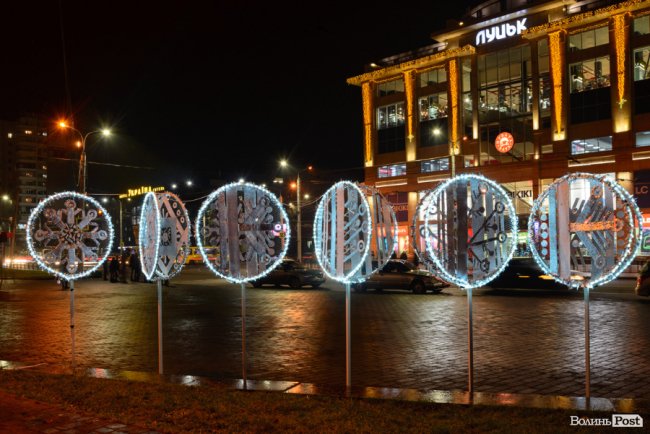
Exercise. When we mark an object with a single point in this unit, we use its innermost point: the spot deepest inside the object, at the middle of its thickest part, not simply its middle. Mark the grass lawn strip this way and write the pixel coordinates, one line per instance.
(176, 408)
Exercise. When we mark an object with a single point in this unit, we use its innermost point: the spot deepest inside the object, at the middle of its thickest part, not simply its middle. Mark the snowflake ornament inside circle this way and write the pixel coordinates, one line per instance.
(69, 235)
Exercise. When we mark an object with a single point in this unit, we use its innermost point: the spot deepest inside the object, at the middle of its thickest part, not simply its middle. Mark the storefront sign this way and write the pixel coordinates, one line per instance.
(504, 142)
(501, 31)
(642, 188)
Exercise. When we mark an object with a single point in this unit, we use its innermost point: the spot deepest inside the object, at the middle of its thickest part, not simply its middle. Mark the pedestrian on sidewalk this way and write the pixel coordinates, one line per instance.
(114, 268)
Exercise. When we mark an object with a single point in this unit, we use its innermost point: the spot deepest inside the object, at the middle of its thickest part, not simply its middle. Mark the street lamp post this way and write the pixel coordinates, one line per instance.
(284, 164)
(82, 159)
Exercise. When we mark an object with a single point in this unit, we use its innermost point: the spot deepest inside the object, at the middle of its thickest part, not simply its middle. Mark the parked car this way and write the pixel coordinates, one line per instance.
(642, 287)
(401, 274)
(293, 273)
(524, 273)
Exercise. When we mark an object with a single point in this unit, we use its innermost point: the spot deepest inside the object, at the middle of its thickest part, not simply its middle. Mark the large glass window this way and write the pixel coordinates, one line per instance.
(587, 146)
(433, 76)
(389, 116)
(589, 74)
(544, 84)
(642, 63)
(433, 106)
(466, 75)
(505, 104)
(642, 25)
(589, 38)
(392, 170)
(435, 165)
(643, 138)
(390, 87)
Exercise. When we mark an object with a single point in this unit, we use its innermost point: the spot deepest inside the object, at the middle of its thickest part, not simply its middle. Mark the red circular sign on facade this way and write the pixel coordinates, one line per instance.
(504, 142)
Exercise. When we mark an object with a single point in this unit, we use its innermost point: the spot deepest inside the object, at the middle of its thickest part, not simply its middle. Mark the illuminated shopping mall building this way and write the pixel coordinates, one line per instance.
(569, 81)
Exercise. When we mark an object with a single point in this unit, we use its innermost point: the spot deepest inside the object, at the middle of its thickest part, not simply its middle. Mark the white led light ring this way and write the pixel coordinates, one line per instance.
(342, 228)
(383, 237)
(72, 235)
(149, 234)
(603, 226)
(473, 227)
(175, 230)
(250, 229)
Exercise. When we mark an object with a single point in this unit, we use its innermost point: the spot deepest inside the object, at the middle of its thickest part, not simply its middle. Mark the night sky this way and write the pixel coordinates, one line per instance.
(207, 89)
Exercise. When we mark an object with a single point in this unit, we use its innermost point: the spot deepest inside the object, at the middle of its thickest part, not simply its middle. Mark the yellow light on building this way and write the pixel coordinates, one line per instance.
(557, 64)
(453, 98)
(366, 94)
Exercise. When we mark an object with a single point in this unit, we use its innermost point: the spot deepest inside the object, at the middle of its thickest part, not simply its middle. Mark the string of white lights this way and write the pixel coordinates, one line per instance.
(36, 214)
(364, 207)
(148, 257)
(512, 231)
(633, 219)
(232, 188)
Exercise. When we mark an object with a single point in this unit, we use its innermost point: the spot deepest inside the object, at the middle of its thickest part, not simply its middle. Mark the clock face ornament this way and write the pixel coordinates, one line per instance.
(584, 230)
(342, 231)
(69, 235)
(247, 228)
(471, 228)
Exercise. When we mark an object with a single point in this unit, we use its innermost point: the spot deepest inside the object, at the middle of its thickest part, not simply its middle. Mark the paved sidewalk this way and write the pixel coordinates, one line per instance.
(21, 415)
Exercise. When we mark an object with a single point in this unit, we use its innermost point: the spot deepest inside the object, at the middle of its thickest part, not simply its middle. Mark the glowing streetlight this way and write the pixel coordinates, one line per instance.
(82, 144)
(296, 186)
(189, 183)
(104, 199)
(174, 186)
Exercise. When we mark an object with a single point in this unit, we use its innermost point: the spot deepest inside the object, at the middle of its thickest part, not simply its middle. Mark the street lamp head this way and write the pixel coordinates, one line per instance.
(78, 143)
(284, 163)
(174, 186)
(189, 183)
(62, 124)
(5, 197)
(310, 168)
(104, 199)
(106, 132)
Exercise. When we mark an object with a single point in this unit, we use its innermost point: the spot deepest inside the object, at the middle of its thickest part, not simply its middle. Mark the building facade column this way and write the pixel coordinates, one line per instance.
(559, 95)
(411, 110)
(367, 92)
(620, 78)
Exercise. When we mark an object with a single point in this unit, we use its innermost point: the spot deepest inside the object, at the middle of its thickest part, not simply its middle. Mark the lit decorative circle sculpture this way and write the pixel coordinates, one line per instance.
(420, 230)
(584, 230)
(249, 228)
(384, 230)
(173, 225)
(69, 235)
(149, 234)
(473, 230)
(342, 229)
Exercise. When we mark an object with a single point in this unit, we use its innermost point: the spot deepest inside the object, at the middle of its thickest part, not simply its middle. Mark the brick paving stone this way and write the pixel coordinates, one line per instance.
(521, 342)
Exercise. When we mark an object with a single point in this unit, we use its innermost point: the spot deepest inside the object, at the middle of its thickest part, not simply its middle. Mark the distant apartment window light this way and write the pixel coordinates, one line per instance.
(390, 116)
(390, 87)
(643, 139)
(433, 106)
(435, 165)
(28, 132)
(589, 74)
(392, 170)
(10, 135)
(587, 146)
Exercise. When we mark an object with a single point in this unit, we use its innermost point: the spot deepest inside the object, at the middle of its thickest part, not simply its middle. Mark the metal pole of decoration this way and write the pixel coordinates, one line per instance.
(74, 364)
(348, 339)
(160, 331)
(587, 349)
(470, 347)
(243, 334)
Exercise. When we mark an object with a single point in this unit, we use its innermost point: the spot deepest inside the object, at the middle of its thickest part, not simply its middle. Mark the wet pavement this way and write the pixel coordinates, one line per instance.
(525, 342)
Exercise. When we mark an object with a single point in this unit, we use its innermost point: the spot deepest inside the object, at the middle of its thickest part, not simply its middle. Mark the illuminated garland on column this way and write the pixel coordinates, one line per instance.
(507, 234)
(282, 229)
(410, 94)
(366, 94)
(149, 237)
(453, 97)
(69, 236)
(320, 230)
(618, 22)
(557, 65)
(632, 216)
